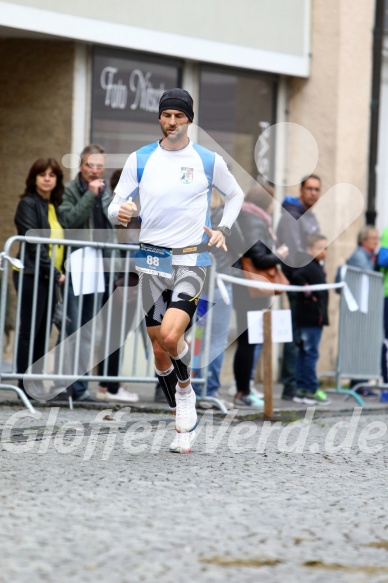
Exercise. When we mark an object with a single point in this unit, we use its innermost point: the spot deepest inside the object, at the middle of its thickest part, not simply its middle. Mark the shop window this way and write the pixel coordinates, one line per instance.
(235, 107)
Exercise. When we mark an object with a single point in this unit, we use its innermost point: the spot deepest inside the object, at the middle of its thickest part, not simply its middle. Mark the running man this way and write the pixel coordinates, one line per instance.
(171, 180)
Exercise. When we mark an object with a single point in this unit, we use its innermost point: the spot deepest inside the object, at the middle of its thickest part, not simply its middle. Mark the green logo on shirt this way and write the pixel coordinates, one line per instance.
(187, 175)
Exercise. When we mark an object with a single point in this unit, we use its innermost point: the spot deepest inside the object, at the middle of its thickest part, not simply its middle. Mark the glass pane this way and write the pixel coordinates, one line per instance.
(386, 16)
(235, 108)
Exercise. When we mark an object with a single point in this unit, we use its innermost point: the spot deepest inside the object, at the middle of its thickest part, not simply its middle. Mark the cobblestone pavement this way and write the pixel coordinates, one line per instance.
(101, 499)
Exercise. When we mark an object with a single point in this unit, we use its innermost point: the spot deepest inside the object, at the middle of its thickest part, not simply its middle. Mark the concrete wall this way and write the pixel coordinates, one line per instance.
(272, 25)
(36, 79)
(334, 106)
(382, 170)
(265, 35)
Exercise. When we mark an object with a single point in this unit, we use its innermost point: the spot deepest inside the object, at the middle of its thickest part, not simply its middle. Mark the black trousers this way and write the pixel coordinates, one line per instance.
(26, 333)
(243, 363)
(290, 352)
(110, 359)
(245, 352)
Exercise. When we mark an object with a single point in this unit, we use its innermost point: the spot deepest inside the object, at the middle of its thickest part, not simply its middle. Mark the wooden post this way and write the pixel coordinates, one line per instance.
(267, 364)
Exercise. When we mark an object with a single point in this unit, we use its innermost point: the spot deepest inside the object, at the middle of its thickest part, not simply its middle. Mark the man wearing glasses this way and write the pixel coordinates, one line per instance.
(85, 206)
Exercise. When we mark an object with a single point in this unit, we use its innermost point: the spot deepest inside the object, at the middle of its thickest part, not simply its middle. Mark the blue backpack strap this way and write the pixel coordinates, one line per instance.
(142, 156)
(208, 159)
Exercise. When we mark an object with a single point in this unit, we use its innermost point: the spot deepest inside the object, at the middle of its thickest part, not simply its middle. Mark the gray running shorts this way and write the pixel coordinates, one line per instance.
(181, 291)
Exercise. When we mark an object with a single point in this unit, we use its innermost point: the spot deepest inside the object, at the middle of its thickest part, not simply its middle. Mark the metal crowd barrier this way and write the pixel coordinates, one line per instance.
(72, 356)
(361, 332)
(360, 325)
(69, 357)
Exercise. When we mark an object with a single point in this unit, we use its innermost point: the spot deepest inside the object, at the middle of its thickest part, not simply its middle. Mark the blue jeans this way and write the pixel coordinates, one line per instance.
(222, 314)
(309, 338)
(80, 386)
(256, 356)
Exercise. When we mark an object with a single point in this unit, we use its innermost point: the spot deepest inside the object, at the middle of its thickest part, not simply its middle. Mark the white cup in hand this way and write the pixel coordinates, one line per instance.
(126, 212)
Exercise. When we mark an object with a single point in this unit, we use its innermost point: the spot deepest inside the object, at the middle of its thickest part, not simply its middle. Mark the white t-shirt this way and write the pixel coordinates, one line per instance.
(172, 190)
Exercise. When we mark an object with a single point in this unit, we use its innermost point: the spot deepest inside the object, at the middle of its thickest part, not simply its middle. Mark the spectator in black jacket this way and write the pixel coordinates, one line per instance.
(311, 315)
(255, 222)
(38, 211)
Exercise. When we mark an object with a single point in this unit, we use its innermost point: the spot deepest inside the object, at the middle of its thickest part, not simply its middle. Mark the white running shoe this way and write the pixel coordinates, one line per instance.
(186, 415)
(122, 395)
(182, 442)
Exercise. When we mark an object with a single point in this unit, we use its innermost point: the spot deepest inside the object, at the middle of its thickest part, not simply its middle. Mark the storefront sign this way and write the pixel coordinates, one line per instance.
(142, 94)
(126, 87)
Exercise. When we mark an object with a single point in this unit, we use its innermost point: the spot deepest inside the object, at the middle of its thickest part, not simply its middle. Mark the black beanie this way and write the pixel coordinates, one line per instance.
(178, 99)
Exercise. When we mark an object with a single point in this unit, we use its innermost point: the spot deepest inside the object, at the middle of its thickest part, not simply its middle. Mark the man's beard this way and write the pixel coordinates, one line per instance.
(180, 133)
(172, 137)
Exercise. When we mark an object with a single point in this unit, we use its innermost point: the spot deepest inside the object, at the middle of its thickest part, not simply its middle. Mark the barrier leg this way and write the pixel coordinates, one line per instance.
(216, 401)
(349, 393)
(352, 393)
(20, 394)
(267, 368)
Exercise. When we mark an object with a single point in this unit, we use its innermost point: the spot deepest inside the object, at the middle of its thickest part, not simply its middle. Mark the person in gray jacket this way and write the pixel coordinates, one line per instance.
(364, 257)
(85, 207)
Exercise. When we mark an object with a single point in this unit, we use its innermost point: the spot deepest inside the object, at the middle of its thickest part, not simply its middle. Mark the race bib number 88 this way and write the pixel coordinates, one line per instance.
(154, 260)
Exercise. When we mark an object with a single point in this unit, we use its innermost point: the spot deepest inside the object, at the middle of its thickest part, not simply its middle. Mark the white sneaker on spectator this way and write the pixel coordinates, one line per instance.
(186, 415)
(248, 401)
(252, 388)
(122, 395)
(304, 400)
(182, 442)
(256, 392)
(101, 394)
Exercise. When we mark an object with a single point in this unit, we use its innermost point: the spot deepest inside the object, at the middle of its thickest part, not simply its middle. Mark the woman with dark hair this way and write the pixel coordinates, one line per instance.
(38, 211)
(255, 222)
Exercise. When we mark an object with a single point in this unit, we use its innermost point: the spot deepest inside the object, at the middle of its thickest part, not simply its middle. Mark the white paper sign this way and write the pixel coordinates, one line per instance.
(364, 294)
(87, 265)
(281, 326)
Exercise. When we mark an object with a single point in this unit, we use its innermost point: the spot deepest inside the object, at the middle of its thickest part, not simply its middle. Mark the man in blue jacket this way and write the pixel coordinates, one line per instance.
(295, 225)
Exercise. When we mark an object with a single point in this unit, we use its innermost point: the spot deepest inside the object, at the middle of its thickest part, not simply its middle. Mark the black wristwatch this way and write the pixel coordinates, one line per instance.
(224, 230)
